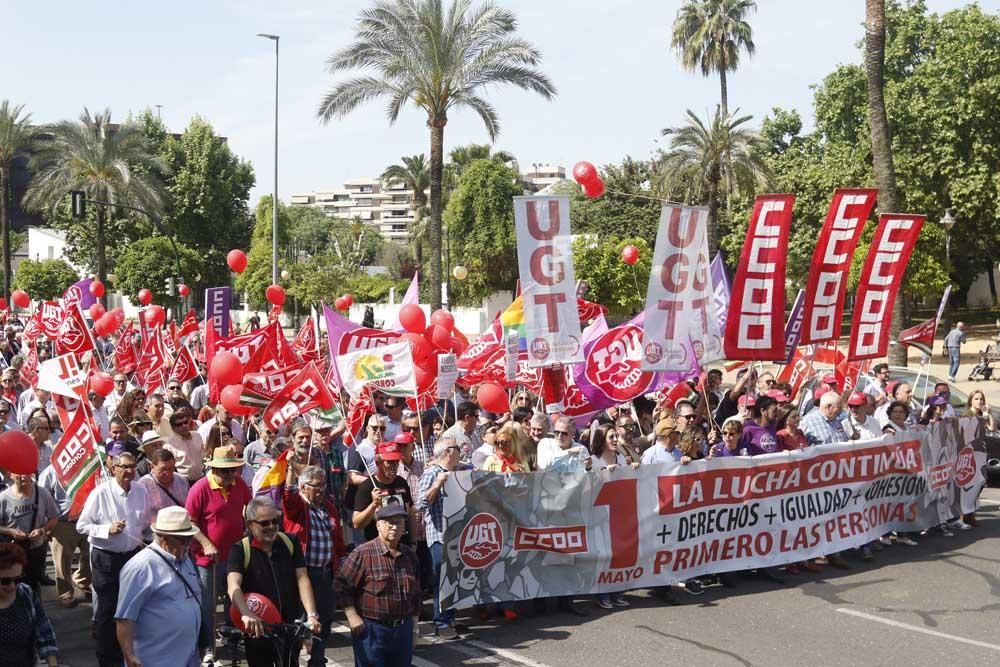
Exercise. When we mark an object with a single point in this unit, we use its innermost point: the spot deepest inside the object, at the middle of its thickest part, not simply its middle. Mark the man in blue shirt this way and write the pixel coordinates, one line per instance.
(953, 346)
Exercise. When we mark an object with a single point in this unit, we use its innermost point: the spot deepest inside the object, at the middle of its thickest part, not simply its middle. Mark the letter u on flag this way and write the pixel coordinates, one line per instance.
(548, 286)
(680, 316)
(755, 325)
(388, 368)
(881, 279)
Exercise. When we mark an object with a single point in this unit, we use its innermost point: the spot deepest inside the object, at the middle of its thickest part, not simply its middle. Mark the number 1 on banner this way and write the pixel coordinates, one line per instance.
(623, 520)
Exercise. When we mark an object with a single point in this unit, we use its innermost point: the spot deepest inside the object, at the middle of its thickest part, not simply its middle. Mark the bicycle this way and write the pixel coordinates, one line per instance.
(286, 640)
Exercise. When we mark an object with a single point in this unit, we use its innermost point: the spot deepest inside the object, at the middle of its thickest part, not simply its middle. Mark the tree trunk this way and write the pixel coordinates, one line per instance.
(102, 259)
(434, 224)
(725, 92)
(885, 175)
(712, 226)
(727, 167)
(5, 232)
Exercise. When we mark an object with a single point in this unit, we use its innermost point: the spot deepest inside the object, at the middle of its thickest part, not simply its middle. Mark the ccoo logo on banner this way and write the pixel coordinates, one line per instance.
(530, 535)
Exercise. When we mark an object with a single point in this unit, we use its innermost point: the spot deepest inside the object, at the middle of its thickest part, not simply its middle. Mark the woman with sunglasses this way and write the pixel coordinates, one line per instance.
(26, 634)
(507, 453)
(128, 408)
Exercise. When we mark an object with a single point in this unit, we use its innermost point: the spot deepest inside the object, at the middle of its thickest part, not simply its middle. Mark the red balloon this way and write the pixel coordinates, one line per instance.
(425, 378)
(439, 337)
(630, 255)
(275, 295)
(117, 316)
(455, 345)
(339, 303)
(443, 318)
(101, 383)
(145, 296)
(594, 189)
(20, 298)
(493, 397)
(412, 317)
(226, 369)
(183, 290)
(230, 398)
(584, 173)
(260, 606)
(237, 260)
(419, 345)
(3, 303)
(349, 300)
(97, 288)
(96, 311)
(155, 316)
(18, 453)
(105, 324)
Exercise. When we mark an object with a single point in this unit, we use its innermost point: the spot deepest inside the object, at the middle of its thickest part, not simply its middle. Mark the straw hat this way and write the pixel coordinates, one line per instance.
(224, 457)
(175, 521)
(151, 438)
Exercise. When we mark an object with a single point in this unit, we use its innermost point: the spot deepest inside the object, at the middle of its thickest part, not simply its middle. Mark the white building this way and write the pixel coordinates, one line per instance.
(386, 206)
(542, 175)
(48, 243)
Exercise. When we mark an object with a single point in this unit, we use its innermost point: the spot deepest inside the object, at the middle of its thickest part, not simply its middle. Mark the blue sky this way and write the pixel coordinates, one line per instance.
(618, 82)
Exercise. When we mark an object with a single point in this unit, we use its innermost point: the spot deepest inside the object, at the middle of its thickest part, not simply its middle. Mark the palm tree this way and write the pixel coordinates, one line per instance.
(415, 175)
(885, 173)
(439, 59)
(709, 35)
(16, 137)
(110, 163)
(696, 157)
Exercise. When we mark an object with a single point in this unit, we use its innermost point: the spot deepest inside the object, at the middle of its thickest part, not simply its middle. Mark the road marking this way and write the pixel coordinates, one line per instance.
(502, 652)
(917, 628)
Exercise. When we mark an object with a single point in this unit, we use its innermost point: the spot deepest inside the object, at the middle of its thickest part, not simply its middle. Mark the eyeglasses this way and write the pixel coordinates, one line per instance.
(454, 448)
(315, 486)
(267, 523)
(377, 428)
(10, 581)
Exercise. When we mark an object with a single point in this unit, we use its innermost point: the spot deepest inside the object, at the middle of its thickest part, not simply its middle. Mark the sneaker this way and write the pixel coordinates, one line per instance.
(885, 540)
(447, 633)
(621, 602)
(510, 614)
(958, 524)
(605, 604)
(907, 540)
(208, 660)
(693, 587)
(945, 531)
(866, 554)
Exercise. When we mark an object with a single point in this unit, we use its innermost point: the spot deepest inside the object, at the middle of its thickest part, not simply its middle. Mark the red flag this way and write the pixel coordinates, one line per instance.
(479, 353)
(588, 310)
(32, 328)
(286, 355)
(29, 371)
(75, 459)
(184, 367)
(168, 340)
(270, 383)
(274, 314)
(306, 340)
(152, 359)
(74, 336)
(50, 316)
(823, 307)
(881, 279)
(125, 357)
(755, 326)
(246, 345)
(190, 324)
(305, 391)
(920, 336)
(357, 414)
(797, 372)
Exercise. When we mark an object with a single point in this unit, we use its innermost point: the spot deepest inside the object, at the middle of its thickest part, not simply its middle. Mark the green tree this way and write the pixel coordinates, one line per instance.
(462, 156)
(696, 158)
(257, 276)
(47, 279)
(148, 263)
(99, 158)
(317, 280)
(480, 218)
(439, 59)
(308, 231)
(16, 138)
(414, 173)
(709, 35)
(629, 208)
(613, 283)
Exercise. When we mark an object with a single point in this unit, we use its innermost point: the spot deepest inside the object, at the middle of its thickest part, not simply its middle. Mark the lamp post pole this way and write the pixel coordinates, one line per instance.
(274, 202)
(948, 221)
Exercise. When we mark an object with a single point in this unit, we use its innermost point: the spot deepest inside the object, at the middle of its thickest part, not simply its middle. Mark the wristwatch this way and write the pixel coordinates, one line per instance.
(313, 615)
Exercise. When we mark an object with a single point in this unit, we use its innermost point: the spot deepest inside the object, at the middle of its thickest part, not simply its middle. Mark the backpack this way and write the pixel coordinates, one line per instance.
(245, 543)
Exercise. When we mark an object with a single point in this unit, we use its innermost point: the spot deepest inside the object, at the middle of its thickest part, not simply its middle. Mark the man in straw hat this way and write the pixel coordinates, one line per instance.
(215, 504)
(158, 617)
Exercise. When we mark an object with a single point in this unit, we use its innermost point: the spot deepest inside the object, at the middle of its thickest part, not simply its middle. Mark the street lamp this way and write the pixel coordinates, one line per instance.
(274, 211)
(948, 222)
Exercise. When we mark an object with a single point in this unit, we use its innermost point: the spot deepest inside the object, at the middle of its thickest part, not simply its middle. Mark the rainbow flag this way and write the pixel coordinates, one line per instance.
(512, 321)
(271, 482)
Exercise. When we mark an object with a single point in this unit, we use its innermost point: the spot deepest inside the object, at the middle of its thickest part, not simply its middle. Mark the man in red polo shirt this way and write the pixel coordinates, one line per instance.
(215, 504)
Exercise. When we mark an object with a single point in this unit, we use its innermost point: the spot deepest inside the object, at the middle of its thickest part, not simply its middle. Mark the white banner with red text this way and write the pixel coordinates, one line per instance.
(530, 535)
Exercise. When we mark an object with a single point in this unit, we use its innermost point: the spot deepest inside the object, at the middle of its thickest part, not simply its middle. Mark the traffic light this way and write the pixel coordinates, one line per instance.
(168, 286)
(79, 204)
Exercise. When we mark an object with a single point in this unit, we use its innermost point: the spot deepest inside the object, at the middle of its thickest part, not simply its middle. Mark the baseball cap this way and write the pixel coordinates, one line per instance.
(388, 451)
(403, 438)
(829, 378)
(857, 398)
(819, 391)
(747, 400)
(779, 396)
(937, 399)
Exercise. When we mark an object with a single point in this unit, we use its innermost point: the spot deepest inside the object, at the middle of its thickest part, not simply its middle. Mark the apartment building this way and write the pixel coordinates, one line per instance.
(388, 207)
(542, 175)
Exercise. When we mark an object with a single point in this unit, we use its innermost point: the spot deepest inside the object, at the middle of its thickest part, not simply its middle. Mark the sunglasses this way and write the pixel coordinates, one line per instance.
(410, 429)
(377, 428)
(175, 388)
(119, 381)
(267, 523)
(503, 443)
(10, 581)
(392, 406)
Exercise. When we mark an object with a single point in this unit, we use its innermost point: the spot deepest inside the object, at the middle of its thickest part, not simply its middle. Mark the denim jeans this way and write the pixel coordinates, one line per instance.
(442, 619)
(954, 355)
(321, 579)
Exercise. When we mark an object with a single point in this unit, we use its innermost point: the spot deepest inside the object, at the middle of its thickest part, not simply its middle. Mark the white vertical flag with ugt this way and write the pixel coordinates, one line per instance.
(548, 286)
(388, 368)
(680, 310)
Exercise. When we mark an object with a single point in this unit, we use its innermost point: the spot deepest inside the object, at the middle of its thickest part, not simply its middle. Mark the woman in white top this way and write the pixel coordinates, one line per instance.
(605, 454)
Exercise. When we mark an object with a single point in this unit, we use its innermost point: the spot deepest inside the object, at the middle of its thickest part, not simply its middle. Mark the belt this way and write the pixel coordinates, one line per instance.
(118, 553)
(392, 624)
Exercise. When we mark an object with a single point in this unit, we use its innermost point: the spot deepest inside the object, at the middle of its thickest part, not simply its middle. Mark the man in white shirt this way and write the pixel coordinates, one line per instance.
(374, 434)
(393, 407)
(862, 406)
(156, 408)
(100, 413)
(187, 446)
(222, 416)
(29, 401)
(877, 383)
(122, 387)
(464, 431)
(39, 429)
(114, 518)
(560, 452)
(898, 391)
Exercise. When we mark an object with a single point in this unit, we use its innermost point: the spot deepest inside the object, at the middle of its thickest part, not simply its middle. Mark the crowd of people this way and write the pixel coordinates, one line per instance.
(182, 522)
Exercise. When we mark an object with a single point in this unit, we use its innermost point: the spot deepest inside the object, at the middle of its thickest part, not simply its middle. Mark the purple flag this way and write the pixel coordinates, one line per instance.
(412, 296)
(793, 329)
(722, 289)
(218, 301)
(336, 326)
(79, 293)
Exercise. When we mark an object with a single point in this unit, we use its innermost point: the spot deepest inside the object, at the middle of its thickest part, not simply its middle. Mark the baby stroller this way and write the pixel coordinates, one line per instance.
(983, 369)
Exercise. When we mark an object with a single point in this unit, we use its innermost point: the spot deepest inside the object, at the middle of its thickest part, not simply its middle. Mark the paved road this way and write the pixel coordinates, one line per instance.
(938, 603)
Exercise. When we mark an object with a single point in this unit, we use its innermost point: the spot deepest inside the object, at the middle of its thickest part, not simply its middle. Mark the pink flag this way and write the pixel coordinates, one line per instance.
(412, 296)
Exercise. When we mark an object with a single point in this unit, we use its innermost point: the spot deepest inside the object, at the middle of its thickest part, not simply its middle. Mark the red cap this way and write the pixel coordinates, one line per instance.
(779, 396)
(388, 451)
(819, 391)
(830, 379)
(857, 398)
(403, 438)
(747, 400)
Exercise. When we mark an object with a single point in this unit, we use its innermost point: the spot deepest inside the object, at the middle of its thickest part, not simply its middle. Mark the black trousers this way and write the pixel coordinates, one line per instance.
(106, 568)
(321, 579)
